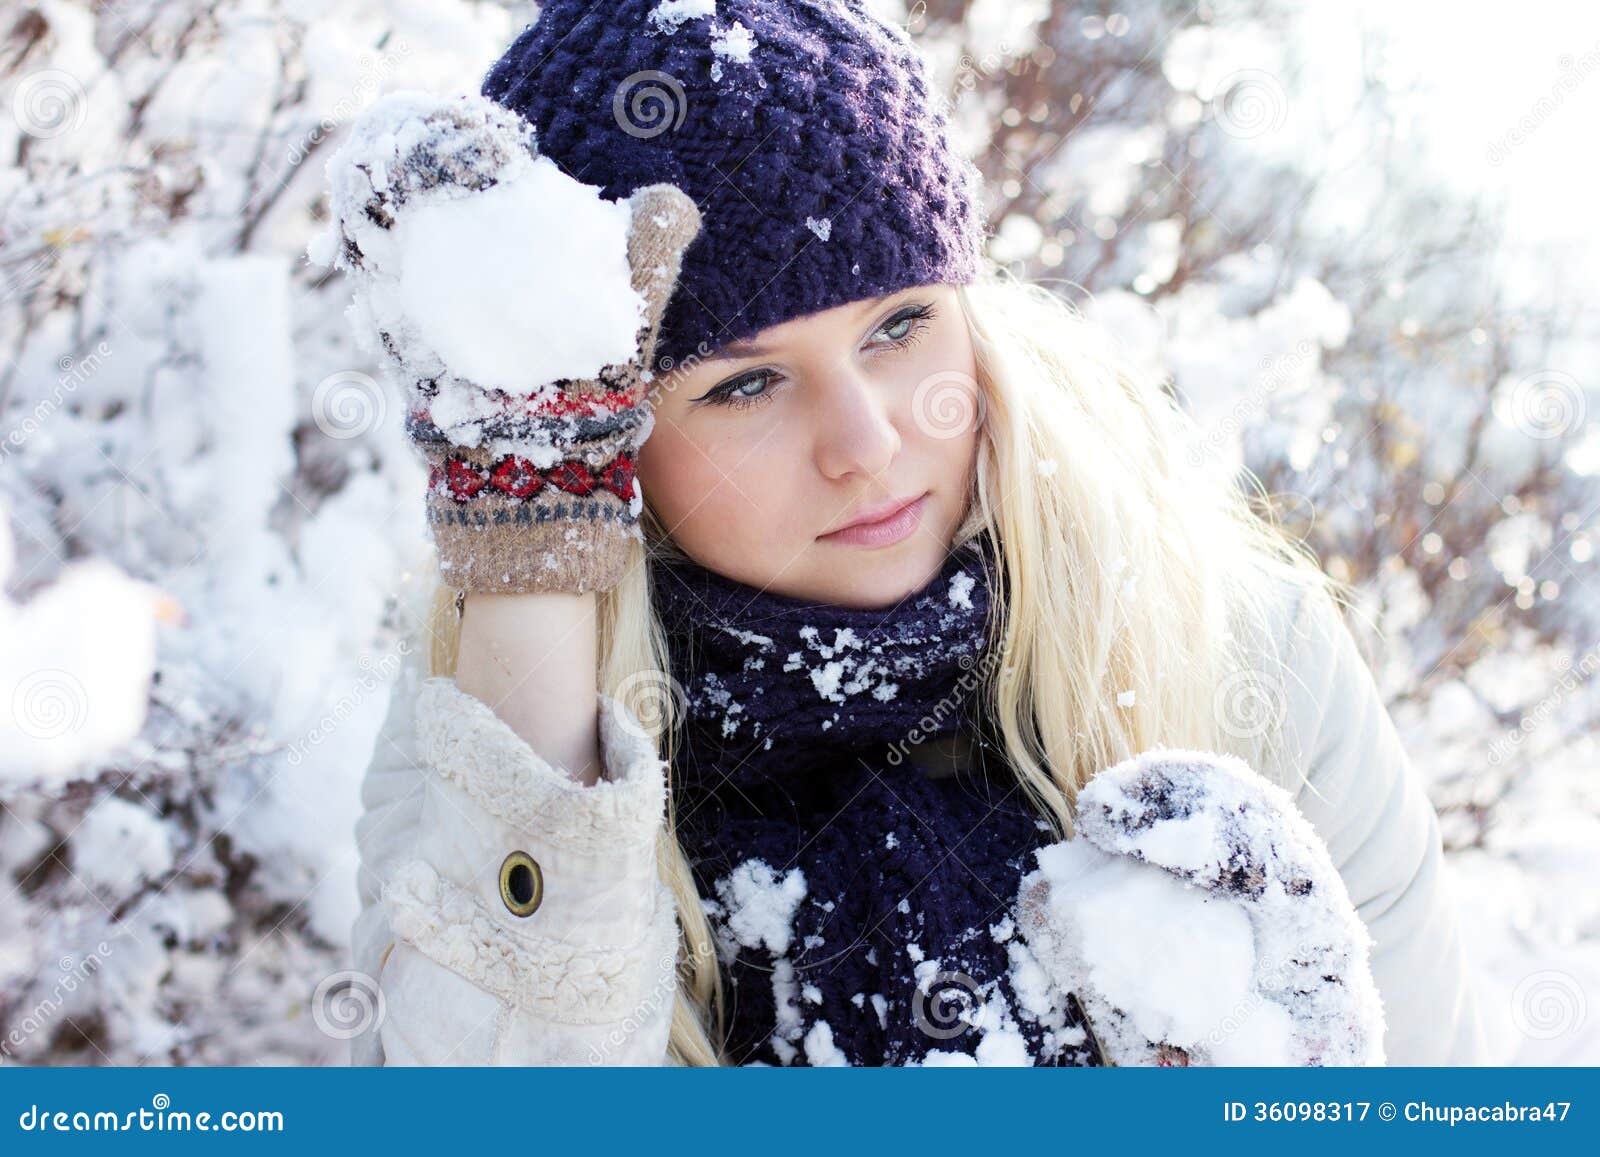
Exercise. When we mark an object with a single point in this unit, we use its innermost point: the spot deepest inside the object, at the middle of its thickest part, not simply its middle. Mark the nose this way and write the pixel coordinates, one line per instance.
(855, 432)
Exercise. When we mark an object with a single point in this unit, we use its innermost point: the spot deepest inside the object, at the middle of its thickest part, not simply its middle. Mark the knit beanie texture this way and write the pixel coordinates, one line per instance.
(805, 131)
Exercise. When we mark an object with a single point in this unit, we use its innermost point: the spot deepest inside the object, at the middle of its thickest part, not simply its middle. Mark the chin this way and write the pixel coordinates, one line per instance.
(881, 578)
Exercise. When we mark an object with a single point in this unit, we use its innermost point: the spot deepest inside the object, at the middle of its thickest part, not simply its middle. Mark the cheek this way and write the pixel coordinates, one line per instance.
(704, 489)
(944, 401)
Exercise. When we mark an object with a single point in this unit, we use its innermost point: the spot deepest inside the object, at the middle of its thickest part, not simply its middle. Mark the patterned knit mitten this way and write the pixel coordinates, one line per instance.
(1200, 920)
(531, 484)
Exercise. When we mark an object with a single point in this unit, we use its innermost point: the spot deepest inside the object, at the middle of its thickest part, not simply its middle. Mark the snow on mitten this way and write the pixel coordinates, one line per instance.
(519, 310)
(1199, 919)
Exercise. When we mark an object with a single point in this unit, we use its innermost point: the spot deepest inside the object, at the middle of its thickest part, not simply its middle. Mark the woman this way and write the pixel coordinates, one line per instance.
(919, 561)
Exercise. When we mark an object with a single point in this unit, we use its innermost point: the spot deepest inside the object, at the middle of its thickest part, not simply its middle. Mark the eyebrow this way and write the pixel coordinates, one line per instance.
(735, 350)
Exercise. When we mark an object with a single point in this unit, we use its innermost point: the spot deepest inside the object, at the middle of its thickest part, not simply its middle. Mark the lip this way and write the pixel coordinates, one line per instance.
(884, 525)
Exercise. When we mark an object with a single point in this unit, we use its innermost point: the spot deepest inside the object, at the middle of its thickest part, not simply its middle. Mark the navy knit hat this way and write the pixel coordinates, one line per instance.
(804, 130)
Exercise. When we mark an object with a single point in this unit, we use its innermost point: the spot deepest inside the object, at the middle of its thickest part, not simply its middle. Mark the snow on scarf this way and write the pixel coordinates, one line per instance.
(863, 908)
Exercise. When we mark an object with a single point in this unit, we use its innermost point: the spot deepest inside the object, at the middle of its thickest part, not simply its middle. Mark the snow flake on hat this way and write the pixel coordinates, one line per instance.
(733, 45)
(670, 15)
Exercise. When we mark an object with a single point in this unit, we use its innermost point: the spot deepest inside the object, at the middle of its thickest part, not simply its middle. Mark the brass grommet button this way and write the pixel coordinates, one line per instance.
(521, 884)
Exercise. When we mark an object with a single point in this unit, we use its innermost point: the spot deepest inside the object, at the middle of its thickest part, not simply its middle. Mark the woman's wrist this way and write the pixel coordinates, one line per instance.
(532, 659)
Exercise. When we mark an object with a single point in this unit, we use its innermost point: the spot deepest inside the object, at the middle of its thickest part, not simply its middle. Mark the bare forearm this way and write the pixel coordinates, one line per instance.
(532, 659)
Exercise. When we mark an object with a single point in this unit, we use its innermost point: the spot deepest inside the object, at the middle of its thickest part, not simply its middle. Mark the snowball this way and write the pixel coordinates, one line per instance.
(1004, 1047)
(1197, 907)
(521, 284)
(947, 1059)
(789, 1020)
(1146, 937)
(500, 274)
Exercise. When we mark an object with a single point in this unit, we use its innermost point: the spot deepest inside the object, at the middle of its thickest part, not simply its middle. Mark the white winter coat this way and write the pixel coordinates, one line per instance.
(587, 977)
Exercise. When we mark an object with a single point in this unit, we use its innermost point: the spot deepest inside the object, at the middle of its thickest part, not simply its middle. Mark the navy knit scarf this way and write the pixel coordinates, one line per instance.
(862, 905)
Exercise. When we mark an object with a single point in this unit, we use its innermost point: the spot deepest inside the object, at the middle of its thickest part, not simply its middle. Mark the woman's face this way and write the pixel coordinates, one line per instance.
(762, 454)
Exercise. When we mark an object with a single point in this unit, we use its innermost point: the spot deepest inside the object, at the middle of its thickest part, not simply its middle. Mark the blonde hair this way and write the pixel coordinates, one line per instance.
(1127, 568)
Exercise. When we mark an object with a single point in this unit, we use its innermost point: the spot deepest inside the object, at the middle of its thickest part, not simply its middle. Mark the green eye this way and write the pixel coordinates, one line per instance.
(733, 392)
(905, 325)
